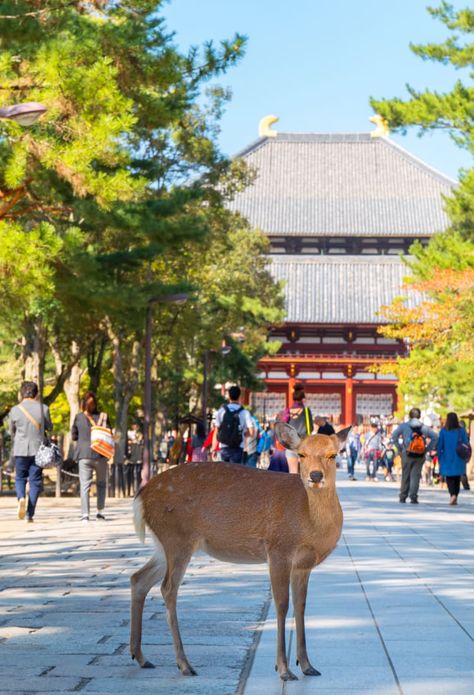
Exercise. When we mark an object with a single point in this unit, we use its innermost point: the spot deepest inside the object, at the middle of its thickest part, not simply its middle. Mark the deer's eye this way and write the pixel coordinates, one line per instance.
(302, 456)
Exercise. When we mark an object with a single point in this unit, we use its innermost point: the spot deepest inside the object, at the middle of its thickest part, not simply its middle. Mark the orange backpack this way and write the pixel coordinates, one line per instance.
(417, 444)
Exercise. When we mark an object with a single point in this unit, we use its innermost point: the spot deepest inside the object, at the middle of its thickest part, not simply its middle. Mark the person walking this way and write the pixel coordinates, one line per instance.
(300, 417)
(89, 460)
(372, 451)
(414, 440)
(353, 449)
(198, 452)
(251, 444)
(233, 424)
(27, 433)
(265, 445)
(452, 465)
(465, 477)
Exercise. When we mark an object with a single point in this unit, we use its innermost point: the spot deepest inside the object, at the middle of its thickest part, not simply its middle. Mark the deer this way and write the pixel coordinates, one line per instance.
(241, 515)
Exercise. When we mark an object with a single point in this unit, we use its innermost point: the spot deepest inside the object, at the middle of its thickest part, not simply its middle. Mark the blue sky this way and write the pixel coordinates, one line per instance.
(315, 63)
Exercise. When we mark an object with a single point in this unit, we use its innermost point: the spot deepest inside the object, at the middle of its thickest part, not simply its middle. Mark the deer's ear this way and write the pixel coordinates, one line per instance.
(287, 435)
(342, 437)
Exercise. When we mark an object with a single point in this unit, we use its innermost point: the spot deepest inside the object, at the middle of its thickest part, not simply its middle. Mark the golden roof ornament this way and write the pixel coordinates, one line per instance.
(382, 130)
(264, 127)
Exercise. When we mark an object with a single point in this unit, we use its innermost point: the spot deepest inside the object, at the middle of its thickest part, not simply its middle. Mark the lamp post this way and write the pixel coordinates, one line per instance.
(24, 114)
(178, 298)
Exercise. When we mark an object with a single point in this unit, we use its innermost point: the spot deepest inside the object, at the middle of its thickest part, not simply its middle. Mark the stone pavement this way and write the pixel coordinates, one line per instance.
(391, 611)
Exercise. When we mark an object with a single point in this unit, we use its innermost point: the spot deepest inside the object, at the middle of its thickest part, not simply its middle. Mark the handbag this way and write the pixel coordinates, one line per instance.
(102, 439)
(48, 454)
(463, 450)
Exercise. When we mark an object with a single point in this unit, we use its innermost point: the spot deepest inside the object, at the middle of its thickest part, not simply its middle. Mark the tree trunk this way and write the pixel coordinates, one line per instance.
(72, 388)
(124, 388)
(34, 352)
(95, 358)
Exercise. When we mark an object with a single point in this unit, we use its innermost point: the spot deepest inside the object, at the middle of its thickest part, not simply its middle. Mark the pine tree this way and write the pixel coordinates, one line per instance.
(450, 112)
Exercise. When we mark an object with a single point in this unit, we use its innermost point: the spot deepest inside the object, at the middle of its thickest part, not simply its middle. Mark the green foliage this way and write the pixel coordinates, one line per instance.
(451, 112)
(117, 196)
(439, 369)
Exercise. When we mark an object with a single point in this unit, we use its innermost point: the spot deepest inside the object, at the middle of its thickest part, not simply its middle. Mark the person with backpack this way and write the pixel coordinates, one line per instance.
(233, 425)
(454, 451)
(300, 417)
(415, 440)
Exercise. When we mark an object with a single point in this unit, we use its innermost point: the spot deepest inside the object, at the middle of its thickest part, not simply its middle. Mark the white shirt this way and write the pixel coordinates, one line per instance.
(246, 422)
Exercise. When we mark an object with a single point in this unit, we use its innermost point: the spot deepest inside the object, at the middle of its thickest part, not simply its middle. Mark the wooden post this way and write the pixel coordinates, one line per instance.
(349, 398)
(291, 386)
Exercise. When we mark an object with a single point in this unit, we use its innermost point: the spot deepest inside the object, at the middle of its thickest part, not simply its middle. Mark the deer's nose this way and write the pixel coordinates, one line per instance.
(316, 476)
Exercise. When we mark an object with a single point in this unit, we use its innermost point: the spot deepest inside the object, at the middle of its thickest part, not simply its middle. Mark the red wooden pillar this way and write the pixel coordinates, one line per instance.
(349, 398)
(291, 384)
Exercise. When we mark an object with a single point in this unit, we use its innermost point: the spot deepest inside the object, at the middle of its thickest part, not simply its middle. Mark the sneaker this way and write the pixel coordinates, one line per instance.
(29, 519)
(414, 501)
(402, 501)
(21, 508)
(85, 519)
(100, 516)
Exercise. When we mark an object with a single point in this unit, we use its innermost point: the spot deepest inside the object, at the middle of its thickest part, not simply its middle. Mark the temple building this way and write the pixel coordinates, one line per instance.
(338, 209)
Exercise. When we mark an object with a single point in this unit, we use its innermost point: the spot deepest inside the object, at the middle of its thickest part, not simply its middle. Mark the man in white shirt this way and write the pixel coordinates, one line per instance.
(233, 424)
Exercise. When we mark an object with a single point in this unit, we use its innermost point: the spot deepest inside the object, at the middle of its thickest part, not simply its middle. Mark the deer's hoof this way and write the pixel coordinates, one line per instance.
(187, 670)
(288, 676)
(311, 671)
(148, 664)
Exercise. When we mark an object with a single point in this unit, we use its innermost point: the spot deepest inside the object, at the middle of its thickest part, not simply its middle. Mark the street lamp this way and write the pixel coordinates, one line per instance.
(178, 298)
(24, 114)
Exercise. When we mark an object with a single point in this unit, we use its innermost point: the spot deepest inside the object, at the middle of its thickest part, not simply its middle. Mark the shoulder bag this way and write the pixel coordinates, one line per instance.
(463, 450)
(102, 439)
(48, 454)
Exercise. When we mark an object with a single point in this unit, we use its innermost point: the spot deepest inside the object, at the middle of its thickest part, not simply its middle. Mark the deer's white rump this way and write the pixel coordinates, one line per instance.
(244, 515)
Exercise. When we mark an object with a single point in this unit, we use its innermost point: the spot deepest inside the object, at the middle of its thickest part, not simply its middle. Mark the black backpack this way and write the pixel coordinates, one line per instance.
(300, 422)
(230, 431)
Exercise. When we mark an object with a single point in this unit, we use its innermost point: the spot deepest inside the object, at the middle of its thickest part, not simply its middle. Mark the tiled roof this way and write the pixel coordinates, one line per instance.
(339, 289)
(341, 185)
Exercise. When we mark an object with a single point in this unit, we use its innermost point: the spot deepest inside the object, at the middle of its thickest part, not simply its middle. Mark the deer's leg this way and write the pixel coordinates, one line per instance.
(299, 589)
(177, 564)
(280, 580)
(141, 582)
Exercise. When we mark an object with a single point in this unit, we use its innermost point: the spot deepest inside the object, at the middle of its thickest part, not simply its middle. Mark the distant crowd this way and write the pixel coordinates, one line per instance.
(408, 453)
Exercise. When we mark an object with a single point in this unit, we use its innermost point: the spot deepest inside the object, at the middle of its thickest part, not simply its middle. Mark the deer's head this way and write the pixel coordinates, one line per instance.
(317, 453)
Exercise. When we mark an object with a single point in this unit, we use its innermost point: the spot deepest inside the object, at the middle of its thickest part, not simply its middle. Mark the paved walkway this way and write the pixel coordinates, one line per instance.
(390, 612)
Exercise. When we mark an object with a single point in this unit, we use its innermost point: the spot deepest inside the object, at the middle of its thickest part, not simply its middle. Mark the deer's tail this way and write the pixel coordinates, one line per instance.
(138, 518)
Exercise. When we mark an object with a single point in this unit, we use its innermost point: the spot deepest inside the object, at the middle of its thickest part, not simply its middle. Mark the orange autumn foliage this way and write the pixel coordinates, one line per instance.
(444, 316)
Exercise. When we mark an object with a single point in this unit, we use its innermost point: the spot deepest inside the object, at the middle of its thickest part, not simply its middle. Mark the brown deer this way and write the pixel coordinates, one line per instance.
(242, 515)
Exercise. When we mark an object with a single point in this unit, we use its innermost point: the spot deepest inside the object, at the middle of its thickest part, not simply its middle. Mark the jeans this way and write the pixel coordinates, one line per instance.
(26, 469)
(86, 468)
(351, 462)
(411, 474)
(252, 460)
(230, 454)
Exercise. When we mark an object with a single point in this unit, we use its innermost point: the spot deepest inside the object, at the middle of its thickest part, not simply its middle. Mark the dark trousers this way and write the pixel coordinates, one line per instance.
(371, 463)
(454, 484)
(26, 469)
(411, 474)
(351, 462)
(232, 455)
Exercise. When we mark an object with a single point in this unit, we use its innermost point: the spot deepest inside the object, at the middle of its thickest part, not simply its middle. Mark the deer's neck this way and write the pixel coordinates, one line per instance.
(325, 510)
